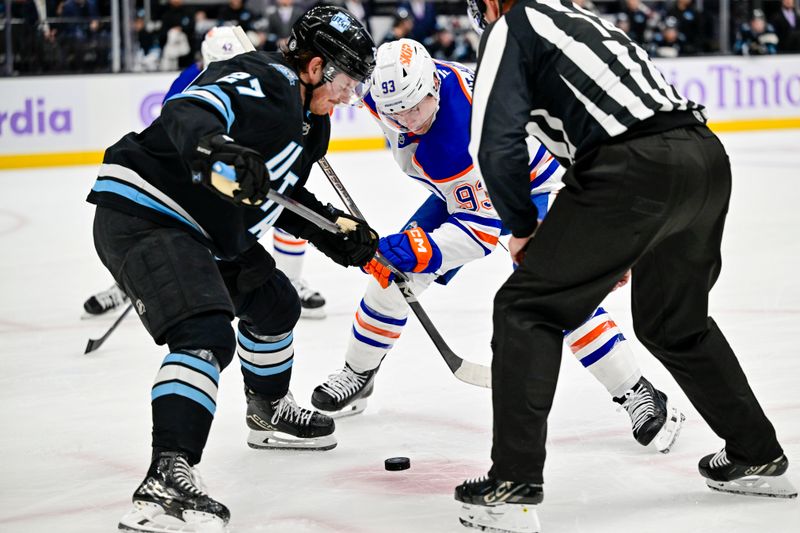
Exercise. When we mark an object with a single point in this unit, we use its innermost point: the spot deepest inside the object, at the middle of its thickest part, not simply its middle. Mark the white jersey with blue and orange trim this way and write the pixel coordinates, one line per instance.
(440, 161)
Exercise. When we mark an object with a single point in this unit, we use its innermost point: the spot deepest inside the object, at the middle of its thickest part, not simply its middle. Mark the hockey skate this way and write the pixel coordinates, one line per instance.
(345, 393)
(499, 506)
(171, 499)
(283, 424)
(312, 304)
(104, 301)
(769, 479)
(653, 418)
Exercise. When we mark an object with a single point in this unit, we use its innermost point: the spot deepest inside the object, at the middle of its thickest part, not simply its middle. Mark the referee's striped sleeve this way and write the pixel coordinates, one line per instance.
(500, 110)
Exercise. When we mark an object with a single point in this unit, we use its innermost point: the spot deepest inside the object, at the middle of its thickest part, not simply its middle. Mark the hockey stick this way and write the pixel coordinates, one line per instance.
(466, 371)
(94, 344)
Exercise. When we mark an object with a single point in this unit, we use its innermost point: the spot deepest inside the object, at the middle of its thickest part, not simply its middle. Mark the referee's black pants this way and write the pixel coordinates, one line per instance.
(656, 204)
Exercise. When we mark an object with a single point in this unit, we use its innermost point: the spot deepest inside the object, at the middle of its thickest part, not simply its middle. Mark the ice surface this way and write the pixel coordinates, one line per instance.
(75, 430)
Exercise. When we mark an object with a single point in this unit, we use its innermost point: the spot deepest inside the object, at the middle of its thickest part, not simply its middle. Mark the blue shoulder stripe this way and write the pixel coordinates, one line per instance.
(222, 103)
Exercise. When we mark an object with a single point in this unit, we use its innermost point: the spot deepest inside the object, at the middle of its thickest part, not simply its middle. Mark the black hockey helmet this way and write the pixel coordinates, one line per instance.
(337, 36)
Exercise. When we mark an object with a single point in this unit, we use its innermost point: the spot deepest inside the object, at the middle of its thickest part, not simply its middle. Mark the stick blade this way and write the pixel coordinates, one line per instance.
(91, 346)
(474, 374)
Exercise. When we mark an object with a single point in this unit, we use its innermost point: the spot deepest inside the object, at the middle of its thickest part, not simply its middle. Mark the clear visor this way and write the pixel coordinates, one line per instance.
(417, 119)
(345, 89)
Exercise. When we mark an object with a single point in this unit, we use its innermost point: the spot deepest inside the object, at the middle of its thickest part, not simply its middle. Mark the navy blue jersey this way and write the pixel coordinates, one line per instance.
(255, 99)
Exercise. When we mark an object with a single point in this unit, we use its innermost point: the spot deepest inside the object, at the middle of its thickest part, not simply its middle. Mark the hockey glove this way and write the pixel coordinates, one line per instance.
(237, 173)
(355, 246)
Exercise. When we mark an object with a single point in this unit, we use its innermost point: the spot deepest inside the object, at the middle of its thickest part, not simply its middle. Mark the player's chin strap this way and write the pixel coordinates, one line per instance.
(466, 371)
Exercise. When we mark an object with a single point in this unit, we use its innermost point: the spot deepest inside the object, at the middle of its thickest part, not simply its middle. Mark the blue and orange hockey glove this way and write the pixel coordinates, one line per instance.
(410, 251)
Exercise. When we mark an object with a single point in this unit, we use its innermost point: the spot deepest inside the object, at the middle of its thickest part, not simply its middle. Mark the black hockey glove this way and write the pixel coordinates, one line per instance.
(237, 173)
(355, 246)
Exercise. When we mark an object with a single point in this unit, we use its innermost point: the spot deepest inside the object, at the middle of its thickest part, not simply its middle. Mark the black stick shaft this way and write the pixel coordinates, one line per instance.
(94, 344)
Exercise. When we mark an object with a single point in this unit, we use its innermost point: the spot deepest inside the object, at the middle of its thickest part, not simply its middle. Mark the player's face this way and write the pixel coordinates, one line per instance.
(419, 118)
(340, 90)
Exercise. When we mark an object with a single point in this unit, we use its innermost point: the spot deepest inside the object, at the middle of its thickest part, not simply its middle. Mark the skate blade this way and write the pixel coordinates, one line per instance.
(275, 440)
(668, 435)
(768, 486)
(315, 313)
(148, 517)
(504, 518)
(354, 408)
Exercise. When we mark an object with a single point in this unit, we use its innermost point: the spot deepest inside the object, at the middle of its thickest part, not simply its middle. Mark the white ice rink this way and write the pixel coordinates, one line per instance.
(75, 429)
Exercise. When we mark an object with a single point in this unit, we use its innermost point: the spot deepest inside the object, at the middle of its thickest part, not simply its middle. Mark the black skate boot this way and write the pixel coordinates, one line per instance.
(653, 418)
(105, 301)
(171, 498)
(283, 424)
(312, 304)
(499, 506)
(345, 393)
(724, 475)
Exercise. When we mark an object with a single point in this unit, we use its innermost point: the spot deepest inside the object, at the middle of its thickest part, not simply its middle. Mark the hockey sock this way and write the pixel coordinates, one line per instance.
(266, 361)
(373, 335)
(289, 253)
(602, 349)
(184, 401)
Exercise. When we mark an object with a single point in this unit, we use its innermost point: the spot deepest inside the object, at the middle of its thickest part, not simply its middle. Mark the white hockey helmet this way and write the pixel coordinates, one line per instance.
(404, 75)
(220, 44)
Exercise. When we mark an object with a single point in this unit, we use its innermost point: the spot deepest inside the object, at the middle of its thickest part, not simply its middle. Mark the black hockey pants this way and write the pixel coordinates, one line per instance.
(654, 203)
(186, 300)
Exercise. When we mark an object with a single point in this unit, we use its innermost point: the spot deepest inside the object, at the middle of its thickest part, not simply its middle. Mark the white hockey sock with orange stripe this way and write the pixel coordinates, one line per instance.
(602, 349)
(289, 253)
(379, 320)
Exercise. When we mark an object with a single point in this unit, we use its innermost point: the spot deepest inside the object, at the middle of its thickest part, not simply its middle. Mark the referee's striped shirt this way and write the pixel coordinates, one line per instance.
(551, 69)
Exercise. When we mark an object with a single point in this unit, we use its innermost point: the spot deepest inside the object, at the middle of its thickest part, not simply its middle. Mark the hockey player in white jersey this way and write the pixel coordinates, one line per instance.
(423, 107)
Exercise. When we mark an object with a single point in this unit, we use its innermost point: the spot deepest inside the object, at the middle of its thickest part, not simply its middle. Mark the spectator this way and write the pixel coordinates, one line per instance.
(588, 5)
(756, 38)
(85, 9)
(177, 35)
(360, 9)
(401, 27)
(640, 19)
(690, 26)
(424, 15)
(202, 25)
(622, 22)
(447, 46)
(280, 20)
(669, 42)
(148, 54)
(787, 27)
(236, 14)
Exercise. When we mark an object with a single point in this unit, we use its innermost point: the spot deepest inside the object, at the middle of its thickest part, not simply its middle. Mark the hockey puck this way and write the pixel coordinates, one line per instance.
(397, 463)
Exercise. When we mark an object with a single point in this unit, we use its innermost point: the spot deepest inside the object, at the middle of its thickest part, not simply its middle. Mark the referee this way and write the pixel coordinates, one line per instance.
(647, 189)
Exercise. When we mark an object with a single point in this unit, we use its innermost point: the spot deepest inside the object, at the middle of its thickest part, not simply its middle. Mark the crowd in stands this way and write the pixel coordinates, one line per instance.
(74, 35)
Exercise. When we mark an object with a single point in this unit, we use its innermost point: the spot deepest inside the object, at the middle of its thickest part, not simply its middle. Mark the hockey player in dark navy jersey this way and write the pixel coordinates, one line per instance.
(187, 254)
